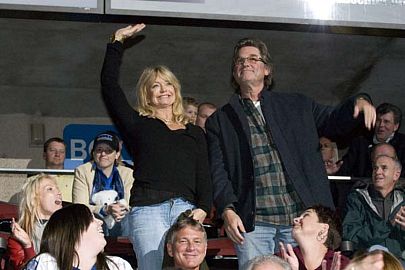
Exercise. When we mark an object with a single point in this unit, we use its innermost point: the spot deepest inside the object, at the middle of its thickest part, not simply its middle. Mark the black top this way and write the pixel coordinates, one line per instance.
(295, 122)
(167, 163)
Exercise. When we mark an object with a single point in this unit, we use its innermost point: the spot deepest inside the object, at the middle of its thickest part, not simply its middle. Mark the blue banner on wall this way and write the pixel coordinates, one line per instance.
(79, 141)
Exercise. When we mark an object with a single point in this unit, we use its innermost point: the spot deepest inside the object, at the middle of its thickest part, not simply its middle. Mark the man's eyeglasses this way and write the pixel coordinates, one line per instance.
(105, 150)
(251, 60)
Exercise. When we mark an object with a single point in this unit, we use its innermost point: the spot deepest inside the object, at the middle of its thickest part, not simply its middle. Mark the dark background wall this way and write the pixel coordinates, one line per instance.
(50, 66)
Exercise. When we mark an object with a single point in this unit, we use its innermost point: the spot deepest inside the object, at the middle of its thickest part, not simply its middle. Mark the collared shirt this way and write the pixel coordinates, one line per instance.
(382, 204)
(375, 141)
(276, 200)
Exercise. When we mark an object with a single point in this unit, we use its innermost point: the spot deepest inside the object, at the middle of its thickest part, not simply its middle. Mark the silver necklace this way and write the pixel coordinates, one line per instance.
(166, 121)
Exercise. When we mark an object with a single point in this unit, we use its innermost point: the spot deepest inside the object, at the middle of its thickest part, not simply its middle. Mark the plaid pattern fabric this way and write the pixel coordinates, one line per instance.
(276, 200)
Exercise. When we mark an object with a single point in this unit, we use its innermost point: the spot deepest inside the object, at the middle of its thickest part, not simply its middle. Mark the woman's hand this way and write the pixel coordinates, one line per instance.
(336, 262)
(198, 214)
(20, 235)
(128, 32)
(117, 211)
(287, 253)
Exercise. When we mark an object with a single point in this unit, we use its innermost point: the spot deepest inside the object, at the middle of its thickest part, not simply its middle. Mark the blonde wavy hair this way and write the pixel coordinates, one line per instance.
(30, 203)
(144, 86)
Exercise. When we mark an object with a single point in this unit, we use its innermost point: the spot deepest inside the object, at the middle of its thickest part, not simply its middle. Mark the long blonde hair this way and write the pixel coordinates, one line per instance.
(29, 211)
(145, 82)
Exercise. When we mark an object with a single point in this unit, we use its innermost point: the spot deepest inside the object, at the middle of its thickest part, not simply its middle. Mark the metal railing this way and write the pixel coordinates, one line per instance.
(35, 171)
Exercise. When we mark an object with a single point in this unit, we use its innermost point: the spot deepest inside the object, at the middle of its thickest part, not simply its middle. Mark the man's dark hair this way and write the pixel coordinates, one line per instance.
(264, 54)
(387, 108)
(51, 140)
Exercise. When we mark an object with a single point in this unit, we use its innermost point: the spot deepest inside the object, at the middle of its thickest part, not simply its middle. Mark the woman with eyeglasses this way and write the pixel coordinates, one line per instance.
(40, 199)
(170, 154)
(104, 172)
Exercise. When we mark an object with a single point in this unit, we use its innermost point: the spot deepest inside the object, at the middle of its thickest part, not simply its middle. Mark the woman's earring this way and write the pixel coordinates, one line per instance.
(320, 236)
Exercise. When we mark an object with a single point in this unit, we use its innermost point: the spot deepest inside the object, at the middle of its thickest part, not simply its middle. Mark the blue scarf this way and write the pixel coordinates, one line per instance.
(99, 182)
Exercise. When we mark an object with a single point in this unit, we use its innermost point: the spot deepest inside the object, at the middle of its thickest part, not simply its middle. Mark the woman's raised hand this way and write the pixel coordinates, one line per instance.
(18, 233)
(128, 32)
(287, 253)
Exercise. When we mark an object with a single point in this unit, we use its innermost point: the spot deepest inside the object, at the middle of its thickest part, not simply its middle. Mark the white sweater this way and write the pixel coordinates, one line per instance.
(45, 261)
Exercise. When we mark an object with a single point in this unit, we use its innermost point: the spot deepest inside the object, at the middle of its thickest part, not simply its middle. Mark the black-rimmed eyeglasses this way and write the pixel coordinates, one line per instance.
(250, 59)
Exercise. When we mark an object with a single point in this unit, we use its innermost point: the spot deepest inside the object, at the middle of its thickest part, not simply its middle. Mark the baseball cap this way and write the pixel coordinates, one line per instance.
(110, 138)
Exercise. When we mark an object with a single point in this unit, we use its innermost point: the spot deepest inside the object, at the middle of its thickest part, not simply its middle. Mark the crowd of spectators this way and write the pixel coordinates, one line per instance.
(261, 161)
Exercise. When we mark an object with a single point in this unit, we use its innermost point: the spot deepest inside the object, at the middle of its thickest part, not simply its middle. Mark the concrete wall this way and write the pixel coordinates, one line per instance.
(16, 137)
(12, 183)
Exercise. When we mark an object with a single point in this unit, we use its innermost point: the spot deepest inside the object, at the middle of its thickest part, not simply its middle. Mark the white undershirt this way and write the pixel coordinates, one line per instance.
(259, 108)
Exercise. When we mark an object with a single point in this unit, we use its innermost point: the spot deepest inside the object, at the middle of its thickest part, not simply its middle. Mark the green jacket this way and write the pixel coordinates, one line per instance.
(365, 227)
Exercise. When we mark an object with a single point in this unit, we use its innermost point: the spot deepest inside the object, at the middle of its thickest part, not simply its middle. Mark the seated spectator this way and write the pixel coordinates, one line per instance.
(74, 239)
(329, 154)
(317, 233)
(54, 156)
(357, 161)
(186, 243)
(367, 261)
(54, 153)
(375, 260)
(375, 212)
(268, 262)
(204, 111)
(383, 149)
(40, 199)
(104, 172)
(190, 108)
(390, 261)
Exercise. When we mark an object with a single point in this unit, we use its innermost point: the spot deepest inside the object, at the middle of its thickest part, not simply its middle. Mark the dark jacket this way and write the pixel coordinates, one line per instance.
(357, 161)
(365, 227)
(295, 122)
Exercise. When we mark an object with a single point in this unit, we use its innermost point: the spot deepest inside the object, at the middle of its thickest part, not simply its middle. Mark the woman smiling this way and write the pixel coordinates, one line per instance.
(74, 240)
(170, 154)
(104, 172)
(317, 233)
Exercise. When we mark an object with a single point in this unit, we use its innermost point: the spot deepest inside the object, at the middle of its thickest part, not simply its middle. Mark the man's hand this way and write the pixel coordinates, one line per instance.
(233, 226)
(368, 110)
(128, 32)
(400, 218)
